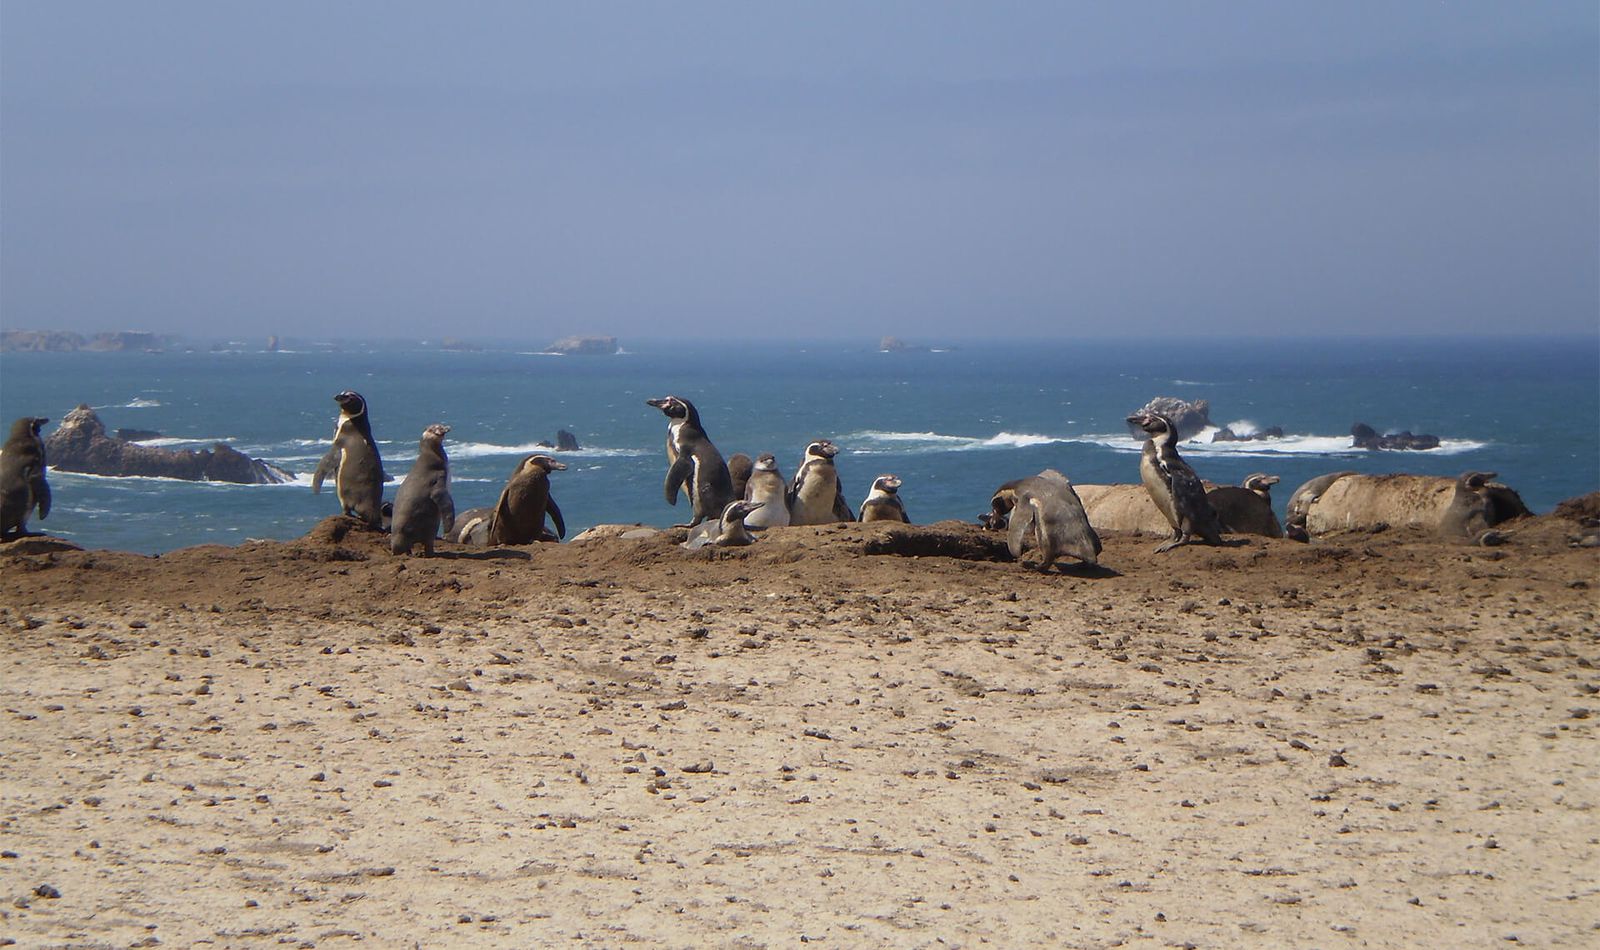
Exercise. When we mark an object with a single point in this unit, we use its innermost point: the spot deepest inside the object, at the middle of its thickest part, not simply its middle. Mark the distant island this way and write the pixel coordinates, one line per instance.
(893, 344)
(584, 346)
(65, 341)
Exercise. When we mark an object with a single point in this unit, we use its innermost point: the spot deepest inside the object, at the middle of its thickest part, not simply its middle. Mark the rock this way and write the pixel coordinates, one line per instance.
(36, 544)
(1363, 436)
(565, 442)
(61, 341)
(893, 344)
(1226, 434)
(1584, 509)
(584, 346)
(1189, 417)
(81, 444)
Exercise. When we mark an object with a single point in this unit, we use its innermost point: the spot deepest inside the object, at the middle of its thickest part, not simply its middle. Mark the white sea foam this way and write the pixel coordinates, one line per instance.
(171, 441)
(471, 450)
(139, 403)
(1316, 445)
(873, 442)
(134, 481)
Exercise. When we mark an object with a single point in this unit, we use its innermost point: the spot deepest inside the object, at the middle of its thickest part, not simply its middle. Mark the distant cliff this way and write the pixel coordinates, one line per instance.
(584, 346)
(65, 341)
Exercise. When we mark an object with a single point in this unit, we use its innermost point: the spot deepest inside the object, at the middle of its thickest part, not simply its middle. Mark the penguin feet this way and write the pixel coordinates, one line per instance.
(1177, 542)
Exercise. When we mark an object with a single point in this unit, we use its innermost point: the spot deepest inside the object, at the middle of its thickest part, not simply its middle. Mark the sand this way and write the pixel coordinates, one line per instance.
(1375, 740)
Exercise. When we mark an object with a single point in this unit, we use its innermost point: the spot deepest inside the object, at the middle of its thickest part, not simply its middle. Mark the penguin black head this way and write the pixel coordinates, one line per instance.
(739, 510)
(767, 463)
(541, 464)
(1154, 424)
(351, 402)
(888, 484)
(822, 448)
(27, 426)
(1476, 480)
(674, 407)
(1260, 483)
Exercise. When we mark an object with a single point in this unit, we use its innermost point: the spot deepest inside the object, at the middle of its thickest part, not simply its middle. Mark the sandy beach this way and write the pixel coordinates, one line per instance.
(1373, 740)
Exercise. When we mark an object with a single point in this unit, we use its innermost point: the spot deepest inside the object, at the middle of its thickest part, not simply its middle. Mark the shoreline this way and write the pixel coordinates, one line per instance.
(1378, 737)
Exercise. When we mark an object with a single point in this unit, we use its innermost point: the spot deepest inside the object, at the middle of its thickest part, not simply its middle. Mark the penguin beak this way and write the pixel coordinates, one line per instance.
(557, 466)
(658, 403)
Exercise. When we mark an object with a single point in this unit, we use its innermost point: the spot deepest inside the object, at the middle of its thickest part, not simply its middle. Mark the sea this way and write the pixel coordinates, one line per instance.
(952, 420)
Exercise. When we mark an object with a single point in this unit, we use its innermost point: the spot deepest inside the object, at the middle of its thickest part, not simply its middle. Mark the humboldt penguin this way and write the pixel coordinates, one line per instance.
(883, 502)
(423, 504)
(767, 486)
(692, 461)
(727, 531)
(22, 484)
(1246, 508)
(1173, 485)
(353, 462)
(1043, 511)
(739, 469)
(1299, 508)
(816, 496)
(519, 516)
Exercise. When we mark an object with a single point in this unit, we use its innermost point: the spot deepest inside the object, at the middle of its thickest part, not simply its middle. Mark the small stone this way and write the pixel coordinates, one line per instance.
(46, 891)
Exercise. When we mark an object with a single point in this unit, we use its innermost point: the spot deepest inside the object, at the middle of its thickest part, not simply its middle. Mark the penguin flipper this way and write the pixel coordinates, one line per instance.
(41, 494)
(841, 508)
(447, 508)
(554, 511)
(680, 471)
(1021, 526)
(328, 466)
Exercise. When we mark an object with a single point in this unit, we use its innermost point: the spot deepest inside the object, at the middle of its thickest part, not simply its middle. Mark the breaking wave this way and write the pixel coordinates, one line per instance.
(1291, 444)
(903, 443)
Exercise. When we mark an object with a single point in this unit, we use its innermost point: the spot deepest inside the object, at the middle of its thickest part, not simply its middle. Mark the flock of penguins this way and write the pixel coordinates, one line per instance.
(1042, 512)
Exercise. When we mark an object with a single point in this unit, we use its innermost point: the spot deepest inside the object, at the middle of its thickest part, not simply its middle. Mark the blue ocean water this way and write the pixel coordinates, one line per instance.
(953, 423)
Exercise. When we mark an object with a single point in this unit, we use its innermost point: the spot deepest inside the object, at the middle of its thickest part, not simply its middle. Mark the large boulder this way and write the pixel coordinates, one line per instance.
(1189, 418)
(1363, 436)
(81, 444)
(1461, 509)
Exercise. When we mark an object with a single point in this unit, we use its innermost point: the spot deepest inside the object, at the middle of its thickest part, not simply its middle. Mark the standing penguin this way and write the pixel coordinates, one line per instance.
(519, 515)
(353, 462)
(817, 496)
(1174, 487)
(739, 469)
(693, 461)
(423, 504)
(767, 486)
(22, 484)
(883, 502)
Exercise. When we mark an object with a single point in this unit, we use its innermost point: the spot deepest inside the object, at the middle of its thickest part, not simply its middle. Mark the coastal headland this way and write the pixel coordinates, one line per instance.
(1374, 739)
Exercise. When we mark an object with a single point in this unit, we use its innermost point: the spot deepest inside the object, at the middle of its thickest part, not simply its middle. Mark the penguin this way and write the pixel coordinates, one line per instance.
(519, 516)
(739, 469)
(816, 495)
(423, 504)
(353, 462)
(767, 486)
(727, 531)
(883, 502)
(1043, 510)
(693, 461)
(1246, 508)
(1173, 485)
(22, 485)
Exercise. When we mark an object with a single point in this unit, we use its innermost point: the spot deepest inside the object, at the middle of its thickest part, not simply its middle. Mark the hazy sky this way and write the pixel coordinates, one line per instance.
(755, 170)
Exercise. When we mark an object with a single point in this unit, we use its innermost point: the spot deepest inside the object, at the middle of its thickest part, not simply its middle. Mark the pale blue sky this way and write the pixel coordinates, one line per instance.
(824, 169)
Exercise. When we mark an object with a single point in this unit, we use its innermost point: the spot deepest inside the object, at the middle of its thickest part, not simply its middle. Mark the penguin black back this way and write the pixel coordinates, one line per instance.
(23, 488)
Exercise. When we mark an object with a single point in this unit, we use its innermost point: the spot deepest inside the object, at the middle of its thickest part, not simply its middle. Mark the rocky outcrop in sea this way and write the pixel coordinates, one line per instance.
(584, 346)
(1188, 417)
(81, 444)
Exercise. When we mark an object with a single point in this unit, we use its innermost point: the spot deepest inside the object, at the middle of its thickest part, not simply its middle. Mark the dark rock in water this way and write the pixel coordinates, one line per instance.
(565, 442)
(584, 346)
(1188, 417)
(1226, 434)
(945, 539)
(82, 445)
(1363, 436)
(137, 435)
